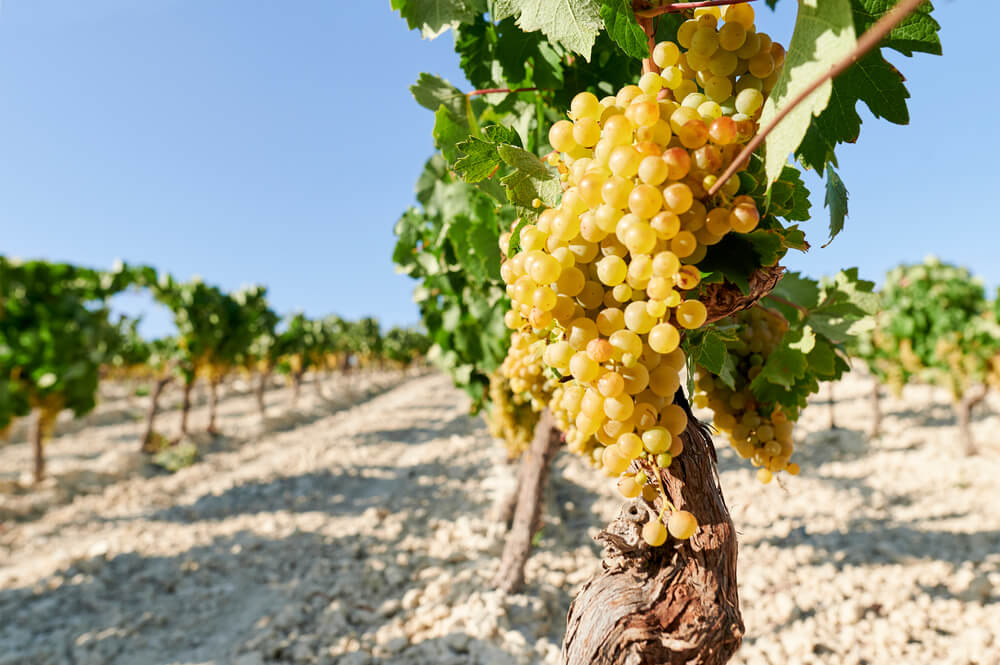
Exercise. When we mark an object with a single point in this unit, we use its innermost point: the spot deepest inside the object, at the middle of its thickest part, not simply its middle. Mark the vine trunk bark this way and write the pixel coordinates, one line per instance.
(963, 412)
(186, 407)
(38, 444)
(265, 376)
(213, 403)
(154, 407)
(677, 603)
(833, 406)
(296, 388)
(532, 477)
(876, 409)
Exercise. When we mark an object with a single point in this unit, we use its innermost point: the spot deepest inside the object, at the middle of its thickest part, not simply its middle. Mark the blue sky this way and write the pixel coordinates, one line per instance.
(277, 143)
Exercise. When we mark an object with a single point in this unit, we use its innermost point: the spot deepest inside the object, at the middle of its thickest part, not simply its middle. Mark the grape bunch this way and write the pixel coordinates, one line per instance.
(605, 284)
(524, 371)
(756, 431)
(510, 415)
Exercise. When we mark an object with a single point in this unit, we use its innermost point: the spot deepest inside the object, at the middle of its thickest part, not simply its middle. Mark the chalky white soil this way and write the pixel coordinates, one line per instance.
(357, 529)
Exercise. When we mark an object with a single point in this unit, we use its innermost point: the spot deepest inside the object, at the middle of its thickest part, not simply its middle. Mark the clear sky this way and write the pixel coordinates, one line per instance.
(277, 143)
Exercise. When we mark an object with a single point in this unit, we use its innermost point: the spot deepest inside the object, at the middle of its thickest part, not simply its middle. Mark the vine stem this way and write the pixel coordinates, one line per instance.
(681, 6)
(785, 301)
(647, 26)
(868, 40)
(487, 91)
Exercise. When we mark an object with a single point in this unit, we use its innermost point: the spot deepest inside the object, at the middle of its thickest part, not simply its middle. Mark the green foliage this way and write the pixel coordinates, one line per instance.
(432, 17)
(935, 325)
(488, 175)
(451, 246)
(821, 318)
(127, 350)
(54, 335)
(619, 21)
(175, 458)
(405, 345)
(872, 80)
(824, 33)
(573, 24)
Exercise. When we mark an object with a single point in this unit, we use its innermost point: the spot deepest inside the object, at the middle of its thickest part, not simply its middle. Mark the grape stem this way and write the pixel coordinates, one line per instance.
(867, 41)
(681, 6)
(660, 485)
(785, 301)
(646, 23)
(487, 91)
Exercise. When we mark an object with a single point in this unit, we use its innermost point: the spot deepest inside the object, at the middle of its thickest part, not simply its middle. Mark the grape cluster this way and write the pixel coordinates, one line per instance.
(510, 416)
(524, 371)
(605, 282)
(756, 431)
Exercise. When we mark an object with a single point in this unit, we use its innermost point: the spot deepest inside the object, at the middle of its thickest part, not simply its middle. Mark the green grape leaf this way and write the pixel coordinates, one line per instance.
(449, 131)
(768, 246)
(522, 160)
(432, 92)
(522, 190)
(788, 197)
(478, 161)
(836, 201)
(435, 169)
(844, 300)
(871, 80)
(824, 33)
(783, 367)
(805, 343)
(520, 121)
(500, 134)
(798, 289)
(915, 33)
(709, 351)
(530, 180)
(433, 17)
(822, 359)
(477, 246)
(409, 230)
(450, 199)
(794, 238)
(573, 24)
(619, 21)
(515, 236)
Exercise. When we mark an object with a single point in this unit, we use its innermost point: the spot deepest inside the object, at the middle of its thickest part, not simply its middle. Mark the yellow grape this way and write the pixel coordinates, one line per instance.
(682, 524)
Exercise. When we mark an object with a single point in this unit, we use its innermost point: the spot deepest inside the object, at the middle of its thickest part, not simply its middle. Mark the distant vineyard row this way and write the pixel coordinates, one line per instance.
(58, 340)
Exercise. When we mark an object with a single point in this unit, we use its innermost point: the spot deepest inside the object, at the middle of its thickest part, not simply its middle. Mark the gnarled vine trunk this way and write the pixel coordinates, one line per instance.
(296, 388)
(186, 407)
(38, 445)
(154, 407)
(265, 376)
(832, 405)
(876, 409)
(213, 402)
(963, 413)
(677, 603)
(673, 604)
(532, 477)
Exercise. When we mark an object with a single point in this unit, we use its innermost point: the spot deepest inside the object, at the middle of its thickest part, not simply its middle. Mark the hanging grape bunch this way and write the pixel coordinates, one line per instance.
(510, 417)
(604, 283)
(759, 432)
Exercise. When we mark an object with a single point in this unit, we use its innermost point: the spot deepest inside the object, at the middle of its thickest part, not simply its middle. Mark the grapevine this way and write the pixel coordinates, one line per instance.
(633, 232)
(606, 282)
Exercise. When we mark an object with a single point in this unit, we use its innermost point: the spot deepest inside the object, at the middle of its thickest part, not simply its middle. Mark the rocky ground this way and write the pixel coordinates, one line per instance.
(357, 529)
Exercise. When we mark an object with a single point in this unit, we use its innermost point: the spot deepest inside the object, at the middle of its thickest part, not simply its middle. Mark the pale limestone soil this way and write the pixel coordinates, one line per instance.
(364, 535)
